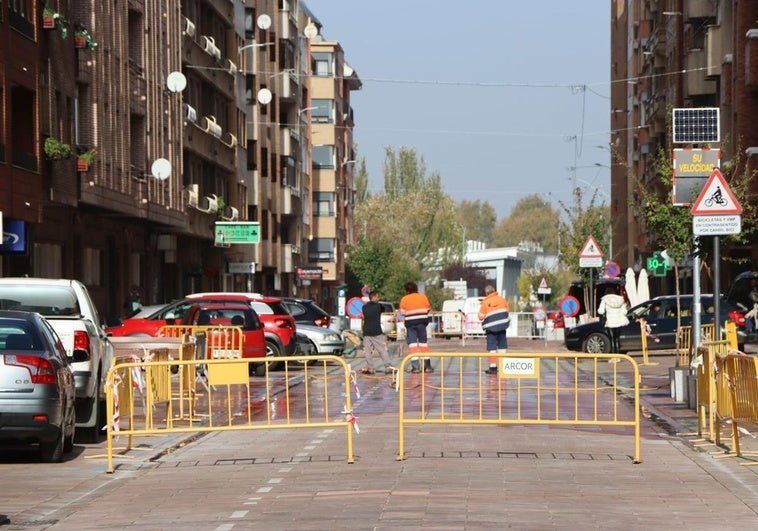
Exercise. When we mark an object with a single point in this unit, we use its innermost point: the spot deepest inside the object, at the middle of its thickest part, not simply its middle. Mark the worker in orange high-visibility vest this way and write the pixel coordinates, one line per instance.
(495, 317)
(415, 308)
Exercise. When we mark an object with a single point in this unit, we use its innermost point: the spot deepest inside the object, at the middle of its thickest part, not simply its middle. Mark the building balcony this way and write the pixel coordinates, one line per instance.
(290, 87)
(210, 65)
(205, 138)
(696, 83)
(699, 9)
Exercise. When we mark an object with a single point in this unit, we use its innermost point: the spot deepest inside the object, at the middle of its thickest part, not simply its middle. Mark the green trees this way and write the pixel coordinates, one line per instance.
(531, 219)
(402, 230)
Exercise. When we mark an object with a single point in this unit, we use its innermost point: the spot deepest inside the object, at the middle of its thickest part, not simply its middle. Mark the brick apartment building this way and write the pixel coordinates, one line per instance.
(669, 54)
(196, 112)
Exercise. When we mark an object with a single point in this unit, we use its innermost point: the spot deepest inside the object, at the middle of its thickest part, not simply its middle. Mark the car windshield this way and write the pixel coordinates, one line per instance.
(262, 308)
(46, 300)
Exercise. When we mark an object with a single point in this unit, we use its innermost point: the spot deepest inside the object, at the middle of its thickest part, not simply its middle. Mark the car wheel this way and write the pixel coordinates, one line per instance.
(597, 343)
(258, 369)
(91, 434)
(52, 451)
(311, 349)
(272, 351)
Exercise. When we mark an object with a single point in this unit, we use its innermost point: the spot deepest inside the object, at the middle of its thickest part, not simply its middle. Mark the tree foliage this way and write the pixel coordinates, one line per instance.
(414, 214)
(474, 276)
(531, 219)
(583, 221)
(528, 284)
(477, 219)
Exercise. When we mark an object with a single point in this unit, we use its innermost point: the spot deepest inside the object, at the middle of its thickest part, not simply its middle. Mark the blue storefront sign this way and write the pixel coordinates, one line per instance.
(14, 236)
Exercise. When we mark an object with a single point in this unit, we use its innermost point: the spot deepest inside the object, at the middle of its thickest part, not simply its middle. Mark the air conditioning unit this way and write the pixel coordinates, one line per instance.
(231, 67)
(193, 196)
(232, 141)
(190, 114)
(189, 27)
(209, 46)
(234, 214)
(211, 127)
(211, 204)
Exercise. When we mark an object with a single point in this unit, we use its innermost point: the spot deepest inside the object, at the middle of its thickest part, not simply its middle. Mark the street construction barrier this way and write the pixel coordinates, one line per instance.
(529, 388)
(740, 385)
(684, 350)
(195, 394)
(705, 366)
(216, 342)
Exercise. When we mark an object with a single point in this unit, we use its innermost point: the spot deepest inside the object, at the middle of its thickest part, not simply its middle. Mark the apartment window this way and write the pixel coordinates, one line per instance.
(323, 157)
(323, 204)
(323, 112)
(24, 141)
(20, 16)
(321, 64)
(249, 88)
(321, 250)
(249, 23)
(47, 260)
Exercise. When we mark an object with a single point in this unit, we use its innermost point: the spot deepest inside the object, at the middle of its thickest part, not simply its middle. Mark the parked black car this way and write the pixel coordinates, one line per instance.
(579, 290)
(306, 312)
(740, 296)
(660, 314)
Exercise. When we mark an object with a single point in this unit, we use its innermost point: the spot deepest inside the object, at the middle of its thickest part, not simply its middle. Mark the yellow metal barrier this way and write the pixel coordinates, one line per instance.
(684, 351)
(200, 395)
(531, 388)
(704, 364)
(219, 342)
(741, 377)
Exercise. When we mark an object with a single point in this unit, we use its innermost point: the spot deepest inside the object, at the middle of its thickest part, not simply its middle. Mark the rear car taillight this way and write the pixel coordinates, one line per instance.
(283, 323)
(40, 369)
(737, 317)
(81, 341)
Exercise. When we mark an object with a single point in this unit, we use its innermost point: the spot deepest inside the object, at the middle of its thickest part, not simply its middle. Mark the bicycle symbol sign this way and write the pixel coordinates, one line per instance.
(716, 198)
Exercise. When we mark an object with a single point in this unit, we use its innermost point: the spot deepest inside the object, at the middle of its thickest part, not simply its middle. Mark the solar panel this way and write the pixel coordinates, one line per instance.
(693, 126)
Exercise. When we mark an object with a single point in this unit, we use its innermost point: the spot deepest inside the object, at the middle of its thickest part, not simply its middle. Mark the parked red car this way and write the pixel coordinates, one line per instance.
(229, 314)
(278, 324)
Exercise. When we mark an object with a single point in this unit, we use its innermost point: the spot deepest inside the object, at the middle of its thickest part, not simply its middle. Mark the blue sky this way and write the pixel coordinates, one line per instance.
(502, 99)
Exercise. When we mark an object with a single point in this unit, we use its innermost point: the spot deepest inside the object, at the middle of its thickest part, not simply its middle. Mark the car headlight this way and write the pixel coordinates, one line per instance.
(332, 337)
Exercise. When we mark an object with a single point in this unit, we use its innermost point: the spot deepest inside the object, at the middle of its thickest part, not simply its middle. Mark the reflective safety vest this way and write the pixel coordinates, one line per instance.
(494, 313)
(415, 307)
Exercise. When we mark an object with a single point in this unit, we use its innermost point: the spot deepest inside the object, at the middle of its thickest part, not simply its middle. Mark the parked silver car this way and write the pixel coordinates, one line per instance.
(313, 339)
(37, 391)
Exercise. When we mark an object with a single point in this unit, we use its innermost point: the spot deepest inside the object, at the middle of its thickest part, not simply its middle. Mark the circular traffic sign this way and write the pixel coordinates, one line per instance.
(569, 306)
(539, 314)
(354, 307)
(612, 269)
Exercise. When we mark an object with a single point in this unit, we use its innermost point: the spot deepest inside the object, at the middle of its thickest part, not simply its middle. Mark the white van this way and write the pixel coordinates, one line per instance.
(460, 316)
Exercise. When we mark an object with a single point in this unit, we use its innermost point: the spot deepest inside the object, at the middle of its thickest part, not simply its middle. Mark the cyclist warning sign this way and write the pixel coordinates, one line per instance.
(716, 198)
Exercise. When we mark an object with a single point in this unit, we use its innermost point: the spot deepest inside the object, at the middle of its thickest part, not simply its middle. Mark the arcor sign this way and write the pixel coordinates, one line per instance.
(519, 367)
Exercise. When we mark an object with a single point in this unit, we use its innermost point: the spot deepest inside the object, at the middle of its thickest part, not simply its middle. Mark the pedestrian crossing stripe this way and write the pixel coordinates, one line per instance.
(590, 249)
